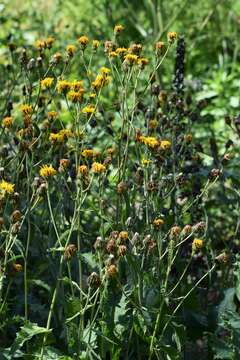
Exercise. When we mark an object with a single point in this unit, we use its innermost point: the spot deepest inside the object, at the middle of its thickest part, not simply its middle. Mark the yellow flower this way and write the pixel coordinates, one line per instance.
(98, 167)
(83, 169)
(6, 187)
(75, 96)
(89, 109)
(47, 171)
(41, 44)
(77, 85)
(100, 81)
(71, 49)
(7, 122)
(52, 114)
(197, 244)
(95, 44)
(47, 82)
(123, 235)
(63, 86)
(26, 109)
(149, 141)
(131, 59)
(112, 54)
(88, 153)
(142, 62)
(83, 40)
(104, 71)
(50, 40)
(158, 222)
(92, 95)
(165, 144)
(121, 51)
(56, 138)
(172, 35)
(146, 162)
(118, 29)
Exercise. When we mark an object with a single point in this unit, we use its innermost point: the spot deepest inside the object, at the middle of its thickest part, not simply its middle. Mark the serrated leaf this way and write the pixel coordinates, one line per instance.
(27, 332)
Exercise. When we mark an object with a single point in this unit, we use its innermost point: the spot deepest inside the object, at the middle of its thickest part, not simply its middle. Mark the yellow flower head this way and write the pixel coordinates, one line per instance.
(82, 169)
(92, 96)
(26, 109)
(77, 85)
(197, 244)
(47, 82)
(121, 51)
(142, 62)
(6, 187)
(100, 81)
(158, 222)
(165, 144)
(131, 59)
(7, 122)
(71, 49)
(47, 171)
(63, 86)
(89, 109)
(172, 35)
(76, 96)
(149, 141)
(52, 114)
(118, 29)
(56, 138)
(112, 54)
(123, 235)
(41, 44)
(98, 167)
(88, 153)
(49, 41)
(146, 162)
(104, 71)
(95, 44)
(83, 40)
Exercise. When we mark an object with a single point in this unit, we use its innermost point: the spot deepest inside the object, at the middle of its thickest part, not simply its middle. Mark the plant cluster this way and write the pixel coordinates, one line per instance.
(105, 203)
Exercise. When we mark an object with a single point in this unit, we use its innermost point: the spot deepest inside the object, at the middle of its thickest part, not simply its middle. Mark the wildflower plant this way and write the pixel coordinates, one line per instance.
(102, 201)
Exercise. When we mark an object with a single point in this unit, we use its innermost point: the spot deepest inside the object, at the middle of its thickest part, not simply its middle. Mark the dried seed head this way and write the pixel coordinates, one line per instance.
(69, 252)
(200, 226)
(214, 173)
(16, 216)
(121, 187)
(16, 228)
(223, 258)
(175, 231)
(94, 280)
(122, 249)
(16, 268)
(111, 246)
(99, 243)
(152, 186)
(1, 222)
(187, 230)
(112, 271)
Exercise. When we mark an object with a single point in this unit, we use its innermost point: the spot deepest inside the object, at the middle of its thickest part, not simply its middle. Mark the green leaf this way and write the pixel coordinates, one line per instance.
(27, 332)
